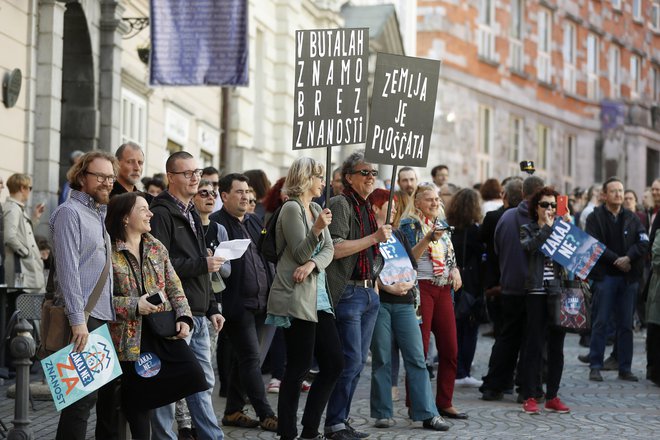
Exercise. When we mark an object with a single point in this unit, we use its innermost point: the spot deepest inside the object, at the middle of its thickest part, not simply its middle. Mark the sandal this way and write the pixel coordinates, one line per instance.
(269, 423)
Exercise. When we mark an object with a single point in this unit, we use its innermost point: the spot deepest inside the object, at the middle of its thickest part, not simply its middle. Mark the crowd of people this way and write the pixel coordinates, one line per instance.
(354, 276)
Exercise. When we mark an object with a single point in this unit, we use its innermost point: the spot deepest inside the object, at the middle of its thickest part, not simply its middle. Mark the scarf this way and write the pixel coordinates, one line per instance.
(437, 249)
(357, 202)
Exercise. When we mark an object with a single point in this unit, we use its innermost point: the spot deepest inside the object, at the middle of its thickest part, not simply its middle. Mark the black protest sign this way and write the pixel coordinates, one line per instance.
(332, 69)
(402, 109)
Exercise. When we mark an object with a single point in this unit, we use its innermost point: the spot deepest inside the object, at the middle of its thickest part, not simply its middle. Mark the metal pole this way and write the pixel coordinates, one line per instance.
(389, 203)
(22, 349)
(328, 174)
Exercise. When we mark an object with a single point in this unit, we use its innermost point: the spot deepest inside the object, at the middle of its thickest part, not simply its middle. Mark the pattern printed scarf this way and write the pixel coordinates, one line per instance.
(357, 202)
(437, 249)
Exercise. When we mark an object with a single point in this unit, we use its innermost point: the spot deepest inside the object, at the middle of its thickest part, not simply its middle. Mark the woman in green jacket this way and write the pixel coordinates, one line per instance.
(300, 303)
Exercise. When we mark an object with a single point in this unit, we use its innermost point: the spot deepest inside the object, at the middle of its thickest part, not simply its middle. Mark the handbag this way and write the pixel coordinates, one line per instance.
(466, 304)
(569, 305)
(54, 327)
(162, 324)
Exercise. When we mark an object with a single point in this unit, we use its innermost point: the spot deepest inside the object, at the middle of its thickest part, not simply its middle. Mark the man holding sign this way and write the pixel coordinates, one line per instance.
(616, 276)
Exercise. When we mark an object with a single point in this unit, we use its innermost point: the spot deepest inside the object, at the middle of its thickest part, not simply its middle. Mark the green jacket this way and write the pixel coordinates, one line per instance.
(294, 235)
(653, 300)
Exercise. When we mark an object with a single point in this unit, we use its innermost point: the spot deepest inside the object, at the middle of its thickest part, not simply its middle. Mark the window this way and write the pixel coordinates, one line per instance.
(655, 16)
(616, 4)
(205, 159)
(614, 70)
(655, 84)
(484, 142)
(592, 66)
(516, 35)
(570, 56)
(515, 139)
(133, 118)
(569, 151)
(637, 10)
(635, 65)
(486, 33)
(542, 148)
(544, 44)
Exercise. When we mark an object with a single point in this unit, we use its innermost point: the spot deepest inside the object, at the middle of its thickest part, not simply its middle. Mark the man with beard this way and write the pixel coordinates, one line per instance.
(131, 163)
(407, 180)
(80, 245)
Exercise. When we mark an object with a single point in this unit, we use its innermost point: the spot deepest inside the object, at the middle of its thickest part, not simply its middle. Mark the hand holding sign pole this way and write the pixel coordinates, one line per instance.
(402, 111)
(332, 69)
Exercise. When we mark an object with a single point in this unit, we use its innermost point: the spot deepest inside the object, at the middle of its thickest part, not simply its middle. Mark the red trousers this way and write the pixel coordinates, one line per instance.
(438, 317)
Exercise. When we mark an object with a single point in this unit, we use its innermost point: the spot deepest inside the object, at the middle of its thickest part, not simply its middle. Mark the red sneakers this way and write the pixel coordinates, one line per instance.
(530, 406)
(556, 405)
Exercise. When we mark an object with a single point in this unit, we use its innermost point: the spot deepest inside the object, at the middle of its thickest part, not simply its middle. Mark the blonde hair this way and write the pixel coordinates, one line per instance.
(301, 173)
(18, 181)
(411, 209)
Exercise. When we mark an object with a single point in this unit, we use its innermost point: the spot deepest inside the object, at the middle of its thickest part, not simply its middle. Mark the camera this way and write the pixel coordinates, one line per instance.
(442, 225)
(527, 166)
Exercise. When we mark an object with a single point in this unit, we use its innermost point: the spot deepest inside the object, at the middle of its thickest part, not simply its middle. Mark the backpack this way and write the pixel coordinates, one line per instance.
(267, 245)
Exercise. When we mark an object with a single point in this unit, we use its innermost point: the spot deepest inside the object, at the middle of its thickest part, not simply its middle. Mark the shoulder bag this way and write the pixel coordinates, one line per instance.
(54, 328)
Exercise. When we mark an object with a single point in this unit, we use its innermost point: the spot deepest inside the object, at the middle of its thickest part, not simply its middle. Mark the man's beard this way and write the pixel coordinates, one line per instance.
(101, 198)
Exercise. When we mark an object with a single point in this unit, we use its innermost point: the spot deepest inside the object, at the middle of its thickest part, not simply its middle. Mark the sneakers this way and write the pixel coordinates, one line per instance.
(530, 407)
(354, 432)
(344, 434)
(594, 375)
(556, 405)
(491, 395)
(436, 423)
(306, 385)
(468, 382)
(269, 423)
(384, 423)
(273, 386)
(239, 419)
(610, 364)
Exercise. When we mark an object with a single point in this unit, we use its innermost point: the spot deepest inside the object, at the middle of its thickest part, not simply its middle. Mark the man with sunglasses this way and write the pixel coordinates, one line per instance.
(177, 224)
(351, 276)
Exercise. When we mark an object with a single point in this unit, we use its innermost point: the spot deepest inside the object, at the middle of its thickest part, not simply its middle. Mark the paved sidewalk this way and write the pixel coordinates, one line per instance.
(612, 409)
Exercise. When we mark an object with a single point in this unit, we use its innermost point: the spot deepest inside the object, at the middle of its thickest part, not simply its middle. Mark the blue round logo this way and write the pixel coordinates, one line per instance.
(147, 365)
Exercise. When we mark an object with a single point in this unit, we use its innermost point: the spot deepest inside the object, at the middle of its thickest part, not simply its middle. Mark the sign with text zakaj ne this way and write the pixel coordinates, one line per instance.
(72, 375)
(332, 70)
(573, 248)
(402, 110)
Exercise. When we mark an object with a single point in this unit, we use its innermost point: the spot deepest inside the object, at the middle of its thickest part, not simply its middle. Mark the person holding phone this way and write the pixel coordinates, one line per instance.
(543, 276)
(144, 283)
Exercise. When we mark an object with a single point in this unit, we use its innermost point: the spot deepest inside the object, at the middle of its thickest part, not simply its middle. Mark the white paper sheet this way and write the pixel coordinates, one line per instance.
(232, 249)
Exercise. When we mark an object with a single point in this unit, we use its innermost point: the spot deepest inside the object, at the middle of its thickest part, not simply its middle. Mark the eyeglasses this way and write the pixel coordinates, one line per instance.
(189, 173)
(205, 194)
(252, 201)
(365, 173)
(546, 205)
(100, 178)
(30, 188)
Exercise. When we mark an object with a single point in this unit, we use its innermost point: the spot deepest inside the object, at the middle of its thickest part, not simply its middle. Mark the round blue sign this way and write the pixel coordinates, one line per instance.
(147, 365)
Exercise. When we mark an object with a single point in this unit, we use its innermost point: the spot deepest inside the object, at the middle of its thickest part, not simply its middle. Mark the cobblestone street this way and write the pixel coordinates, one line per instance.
(612, 409)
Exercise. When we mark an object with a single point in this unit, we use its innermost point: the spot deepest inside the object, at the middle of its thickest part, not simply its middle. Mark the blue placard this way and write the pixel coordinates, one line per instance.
(397, 268)
(71, 376)
(201, 42)
(573, 248)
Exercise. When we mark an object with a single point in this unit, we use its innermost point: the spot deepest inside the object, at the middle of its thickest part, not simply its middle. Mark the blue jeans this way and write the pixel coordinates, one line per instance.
(199, 404)
(356, 314)
(399, 321)
(614, 295)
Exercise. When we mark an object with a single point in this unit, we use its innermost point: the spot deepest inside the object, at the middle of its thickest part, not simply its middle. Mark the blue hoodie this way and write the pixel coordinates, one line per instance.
(513, 262)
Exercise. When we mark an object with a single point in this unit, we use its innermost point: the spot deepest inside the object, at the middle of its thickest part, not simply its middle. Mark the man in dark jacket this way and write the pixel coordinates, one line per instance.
(244, 305)
(513, 270)
(131, 163)
(616, 277)
(178, 226)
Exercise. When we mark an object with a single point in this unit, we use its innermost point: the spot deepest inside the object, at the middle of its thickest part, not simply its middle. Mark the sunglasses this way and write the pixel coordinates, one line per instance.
(546, 205)
(205, 194)
(365, 173)
(252, 201)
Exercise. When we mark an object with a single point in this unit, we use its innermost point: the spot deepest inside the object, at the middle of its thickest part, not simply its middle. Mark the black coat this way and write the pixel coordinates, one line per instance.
(187, 252)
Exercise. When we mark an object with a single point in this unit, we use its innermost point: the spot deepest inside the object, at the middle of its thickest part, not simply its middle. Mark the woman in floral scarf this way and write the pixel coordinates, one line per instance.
(437, 275)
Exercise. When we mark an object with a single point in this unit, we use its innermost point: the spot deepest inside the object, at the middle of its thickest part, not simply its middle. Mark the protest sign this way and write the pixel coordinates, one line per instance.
(204, 42)
(397, 268)
(402, 110)
(573, 248)
(71, 375)
(332, 70)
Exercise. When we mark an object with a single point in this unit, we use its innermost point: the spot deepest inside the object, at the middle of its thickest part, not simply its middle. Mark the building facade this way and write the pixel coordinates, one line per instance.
(572, 85)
